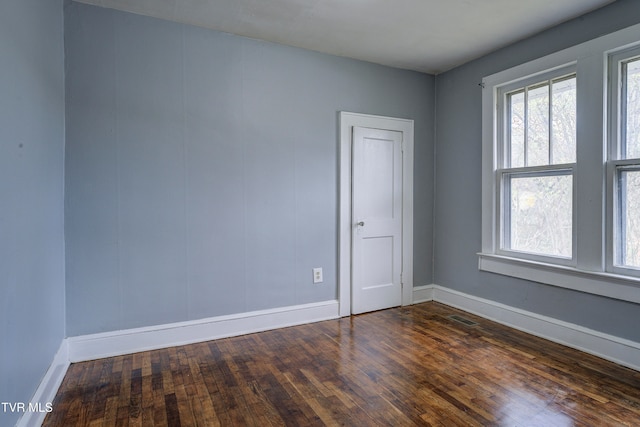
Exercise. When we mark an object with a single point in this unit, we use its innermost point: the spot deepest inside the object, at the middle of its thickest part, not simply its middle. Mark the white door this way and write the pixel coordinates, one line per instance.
(377, 219)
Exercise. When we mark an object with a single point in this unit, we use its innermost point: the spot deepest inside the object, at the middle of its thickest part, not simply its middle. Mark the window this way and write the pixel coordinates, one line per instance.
(628, 213)
(624, 69)
(561, 168)
(538, 157)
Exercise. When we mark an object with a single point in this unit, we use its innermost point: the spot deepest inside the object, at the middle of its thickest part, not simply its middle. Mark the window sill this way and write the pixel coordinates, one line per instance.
(615, 286)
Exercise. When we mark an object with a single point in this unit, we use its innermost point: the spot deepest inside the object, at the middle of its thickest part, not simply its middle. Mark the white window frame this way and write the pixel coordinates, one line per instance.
(616, 160)
(590, 269)
(503, 170)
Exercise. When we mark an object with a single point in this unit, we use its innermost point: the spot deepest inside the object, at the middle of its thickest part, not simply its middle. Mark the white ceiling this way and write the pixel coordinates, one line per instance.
(424, 35)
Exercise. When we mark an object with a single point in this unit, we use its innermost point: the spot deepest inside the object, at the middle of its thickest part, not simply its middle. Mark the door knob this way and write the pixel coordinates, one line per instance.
(360, 224)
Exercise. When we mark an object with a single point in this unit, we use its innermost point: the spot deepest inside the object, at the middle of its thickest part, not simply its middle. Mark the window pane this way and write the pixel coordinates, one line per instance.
(540, 212)
(629, 211)
(632, 82)
(516, 113)
(563, 124)
(538, 126)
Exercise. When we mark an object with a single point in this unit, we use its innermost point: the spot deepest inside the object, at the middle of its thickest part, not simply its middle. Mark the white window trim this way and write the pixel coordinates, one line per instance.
(614, 154)
(501, 169)
(593, 205)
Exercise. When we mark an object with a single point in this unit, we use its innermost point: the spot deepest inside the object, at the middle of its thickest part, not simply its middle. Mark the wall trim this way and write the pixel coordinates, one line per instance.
(423, 293)
(615, 349)
(117, 343)
(48, 388)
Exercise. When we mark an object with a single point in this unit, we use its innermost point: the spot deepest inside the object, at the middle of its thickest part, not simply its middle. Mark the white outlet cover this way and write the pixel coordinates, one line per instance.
(317, 275)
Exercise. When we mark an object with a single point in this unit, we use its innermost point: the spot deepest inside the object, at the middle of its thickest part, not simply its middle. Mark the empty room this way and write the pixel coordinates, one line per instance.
(187, 235)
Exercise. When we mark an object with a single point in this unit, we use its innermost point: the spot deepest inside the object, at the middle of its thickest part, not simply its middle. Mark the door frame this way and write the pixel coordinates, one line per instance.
(347, 122)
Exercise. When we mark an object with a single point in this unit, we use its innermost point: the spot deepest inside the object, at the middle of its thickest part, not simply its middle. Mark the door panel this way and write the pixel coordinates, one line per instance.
(377, 219)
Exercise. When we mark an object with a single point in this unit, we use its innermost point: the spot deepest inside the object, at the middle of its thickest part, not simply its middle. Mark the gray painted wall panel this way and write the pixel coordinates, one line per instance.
(214, 182)
(151, 174)
(457, 230)
(96, 225)
(216, 166)
(31, 196)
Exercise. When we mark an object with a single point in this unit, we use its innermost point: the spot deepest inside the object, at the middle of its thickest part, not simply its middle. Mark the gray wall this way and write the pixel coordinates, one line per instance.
(457, 230)
(31, 195)
(201, 169)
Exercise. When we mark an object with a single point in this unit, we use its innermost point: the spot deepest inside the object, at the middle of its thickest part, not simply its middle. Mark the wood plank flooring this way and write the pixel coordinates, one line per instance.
(398, 367)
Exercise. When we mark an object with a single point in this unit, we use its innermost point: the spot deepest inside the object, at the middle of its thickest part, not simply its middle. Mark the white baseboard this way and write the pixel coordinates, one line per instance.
(619, 350)
(46, 391)
(96, 346)
(423, 293)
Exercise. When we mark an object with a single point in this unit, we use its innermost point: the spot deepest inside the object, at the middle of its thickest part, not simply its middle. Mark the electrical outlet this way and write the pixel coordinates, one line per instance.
(317, 275)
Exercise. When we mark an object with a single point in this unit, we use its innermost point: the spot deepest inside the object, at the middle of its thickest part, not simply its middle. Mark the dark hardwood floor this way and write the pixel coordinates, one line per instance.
(397, 367)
